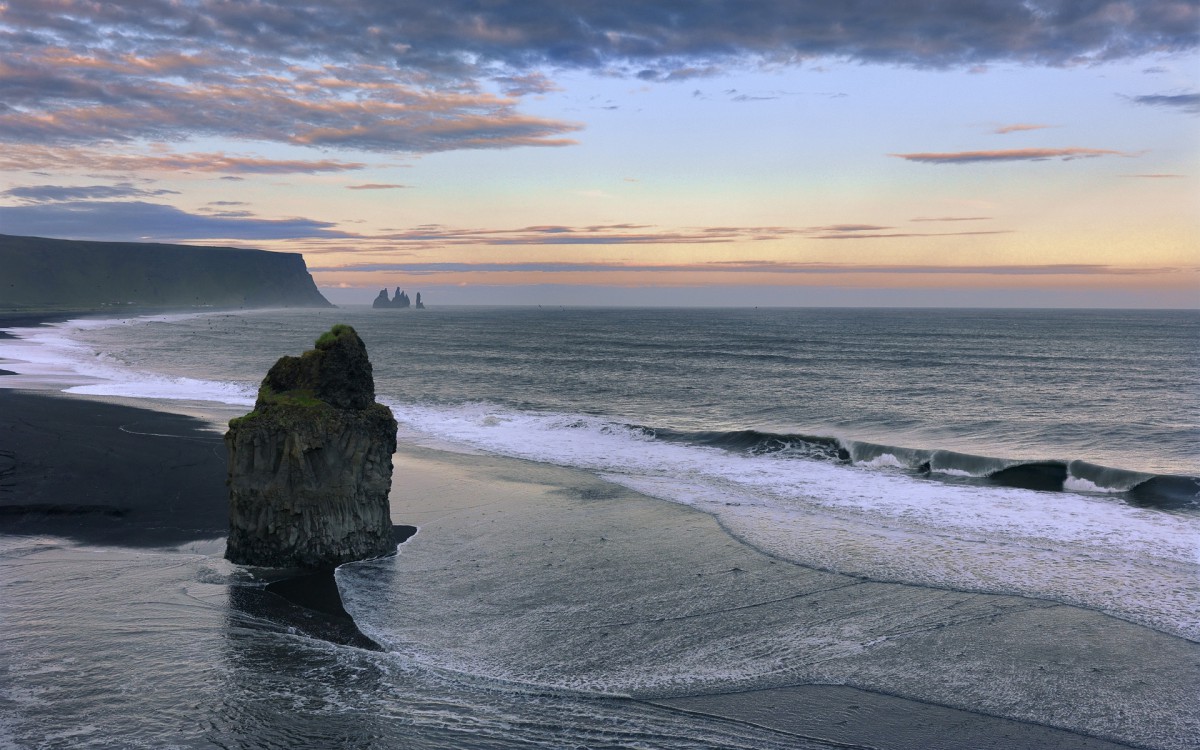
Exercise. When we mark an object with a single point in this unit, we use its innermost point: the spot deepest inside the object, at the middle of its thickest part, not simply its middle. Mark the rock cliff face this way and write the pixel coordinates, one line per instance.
(41, 273)
(310, 468)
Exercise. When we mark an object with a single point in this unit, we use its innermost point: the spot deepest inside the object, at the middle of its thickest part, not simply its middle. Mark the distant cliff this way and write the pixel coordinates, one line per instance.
(41, 273)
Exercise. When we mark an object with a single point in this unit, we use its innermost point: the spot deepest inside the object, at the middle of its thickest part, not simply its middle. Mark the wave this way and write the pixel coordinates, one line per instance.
(863, 509)
(54, 353)
(1161, 491)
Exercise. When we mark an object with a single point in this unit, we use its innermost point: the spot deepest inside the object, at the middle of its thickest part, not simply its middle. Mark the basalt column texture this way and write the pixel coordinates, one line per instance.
(310, 468)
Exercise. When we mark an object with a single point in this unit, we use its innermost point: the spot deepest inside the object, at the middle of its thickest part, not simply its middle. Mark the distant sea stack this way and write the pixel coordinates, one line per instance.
(400, 301)
(311, 467)
(41, 273)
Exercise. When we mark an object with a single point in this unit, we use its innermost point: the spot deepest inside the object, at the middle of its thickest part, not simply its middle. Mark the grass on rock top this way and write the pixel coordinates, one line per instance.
(293, 381)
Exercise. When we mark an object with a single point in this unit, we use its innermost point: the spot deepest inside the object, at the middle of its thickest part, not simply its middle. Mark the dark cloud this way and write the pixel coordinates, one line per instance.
(54, 193)
(409, 76)
(679, 73)
(526, 84)
(1184, 102)
(137, 220)
(1017, 154)
(452, 35)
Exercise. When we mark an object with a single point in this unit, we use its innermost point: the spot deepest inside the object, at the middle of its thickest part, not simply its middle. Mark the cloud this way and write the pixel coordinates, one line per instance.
(754, 266)
(53, 193)
(1157, 176)
(376, 186)
(1017, 128)
(526, 84)
(63, 92)
(433, 236)
(682, 73)
(415, 76)
(34, 156)
(893, 235)
(951, 218)
(1184, 102)
(1018, 154)
(137, 220)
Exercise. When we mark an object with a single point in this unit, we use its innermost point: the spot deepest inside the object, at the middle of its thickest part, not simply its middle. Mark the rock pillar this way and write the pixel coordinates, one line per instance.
(310, 468)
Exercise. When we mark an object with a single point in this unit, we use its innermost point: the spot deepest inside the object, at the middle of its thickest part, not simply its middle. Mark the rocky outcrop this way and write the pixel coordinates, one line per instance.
(310, 468)
(400, 301)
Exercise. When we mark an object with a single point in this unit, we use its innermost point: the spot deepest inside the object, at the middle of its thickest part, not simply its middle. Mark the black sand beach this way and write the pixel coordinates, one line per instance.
(103, 473)
(107, 474)
(583, 581)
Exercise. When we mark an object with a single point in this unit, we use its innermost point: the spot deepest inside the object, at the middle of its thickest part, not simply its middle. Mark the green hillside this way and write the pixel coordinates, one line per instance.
(37, 273)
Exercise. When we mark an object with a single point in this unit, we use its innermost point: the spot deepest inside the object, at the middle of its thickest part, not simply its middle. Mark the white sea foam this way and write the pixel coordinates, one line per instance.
(1075, 484)
(885, 460)
(55, 354)
(1134, 563)
(957, 473)
(1085, 549)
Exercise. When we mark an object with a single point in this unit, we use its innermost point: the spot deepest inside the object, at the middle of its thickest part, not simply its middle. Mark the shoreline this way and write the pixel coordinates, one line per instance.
(657, 601)
(103, 473)
(95, 452)
(142, 479)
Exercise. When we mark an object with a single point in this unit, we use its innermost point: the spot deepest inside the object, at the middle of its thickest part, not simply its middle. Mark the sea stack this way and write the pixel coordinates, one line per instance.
(310, 468)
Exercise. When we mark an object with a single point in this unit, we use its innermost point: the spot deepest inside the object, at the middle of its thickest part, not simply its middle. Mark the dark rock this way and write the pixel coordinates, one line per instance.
(41, 273)
(311, 467)
(420, 305)
(337, 372)
(382, 300)
(401, 300)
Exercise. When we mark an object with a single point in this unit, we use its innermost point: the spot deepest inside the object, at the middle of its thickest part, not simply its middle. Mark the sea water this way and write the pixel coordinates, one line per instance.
(1051, 455)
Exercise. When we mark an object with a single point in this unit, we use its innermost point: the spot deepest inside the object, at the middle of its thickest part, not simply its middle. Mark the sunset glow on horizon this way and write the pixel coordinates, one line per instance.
(1028, 154)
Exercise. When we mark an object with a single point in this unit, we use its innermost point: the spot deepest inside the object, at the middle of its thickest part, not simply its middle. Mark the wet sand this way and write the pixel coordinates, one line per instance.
(102, 473)
(570, 581)
(565, 580)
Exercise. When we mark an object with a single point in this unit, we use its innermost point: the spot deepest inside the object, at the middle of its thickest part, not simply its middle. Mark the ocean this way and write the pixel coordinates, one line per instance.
(983, 464)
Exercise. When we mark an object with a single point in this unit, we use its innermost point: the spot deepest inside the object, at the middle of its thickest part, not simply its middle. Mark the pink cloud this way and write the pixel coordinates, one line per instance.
(30, 157)
(1017, 128)
(1017, 154)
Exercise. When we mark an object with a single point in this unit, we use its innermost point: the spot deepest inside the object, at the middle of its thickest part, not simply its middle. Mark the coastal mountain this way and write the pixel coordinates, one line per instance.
(42, 273)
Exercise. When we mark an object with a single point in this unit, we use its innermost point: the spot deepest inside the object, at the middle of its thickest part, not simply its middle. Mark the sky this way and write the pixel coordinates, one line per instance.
(980, 153)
